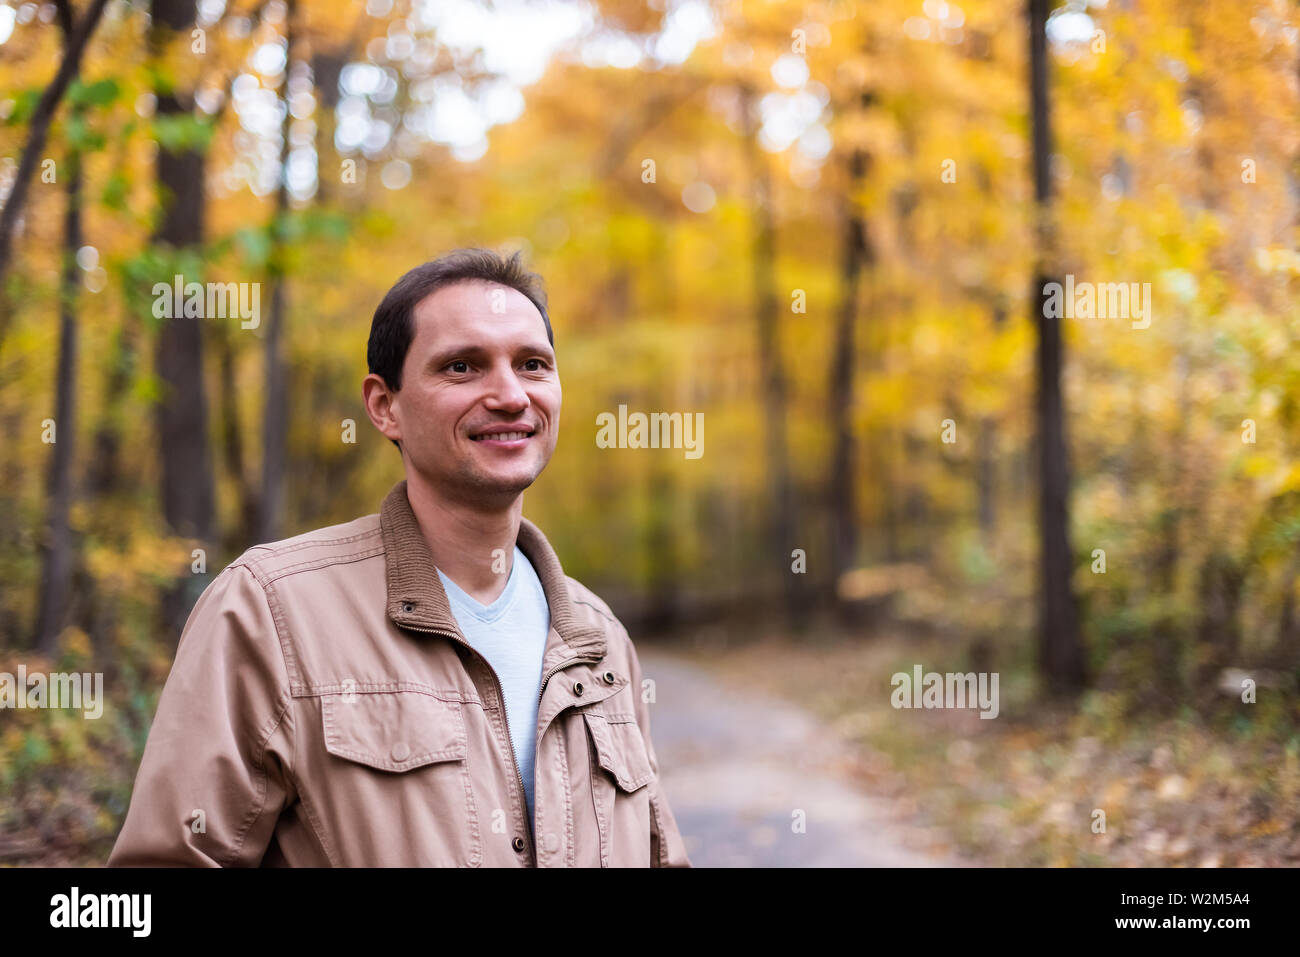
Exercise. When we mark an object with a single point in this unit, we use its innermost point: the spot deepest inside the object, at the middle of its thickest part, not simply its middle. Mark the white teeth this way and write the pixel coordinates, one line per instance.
(503, 436)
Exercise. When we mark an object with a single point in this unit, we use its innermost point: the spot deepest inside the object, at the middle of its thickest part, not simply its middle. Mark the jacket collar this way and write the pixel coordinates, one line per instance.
(417, 599)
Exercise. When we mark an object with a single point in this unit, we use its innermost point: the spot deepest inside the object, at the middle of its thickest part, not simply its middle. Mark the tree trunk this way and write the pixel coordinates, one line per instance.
(232, 446)
(326, 67)
(661, 549)
(75, 41)
(986, 478)
(1285, 652)
(1219, 629)
(275, 420)
(182, 413)
(782, 508)
(275, 424)
(56, 571)
(843, 477)
(1060, 651)
(104, 478)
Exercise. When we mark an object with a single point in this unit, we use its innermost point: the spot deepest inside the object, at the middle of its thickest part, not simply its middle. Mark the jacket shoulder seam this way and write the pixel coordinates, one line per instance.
(309, 542)
(287, 656)
(270, 552)
(267, 578)
(600, 611)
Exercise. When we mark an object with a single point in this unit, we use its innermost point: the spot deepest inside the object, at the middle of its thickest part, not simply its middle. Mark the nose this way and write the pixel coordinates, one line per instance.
(505, 391)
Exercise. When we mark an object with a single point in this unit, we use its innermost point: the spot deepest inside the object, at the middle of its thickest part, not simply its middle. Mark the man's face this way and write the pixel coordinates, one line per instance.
(479, 407)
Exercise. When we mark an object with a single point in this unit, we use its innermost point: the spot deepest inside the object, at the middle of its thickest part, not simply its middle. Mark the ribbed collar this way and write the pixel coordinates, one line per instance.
(417, 599)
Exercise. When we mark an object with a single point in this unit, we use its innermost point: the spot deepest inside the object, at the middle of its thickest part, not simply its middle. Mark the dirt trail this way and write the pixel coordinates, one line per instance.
(736, 765)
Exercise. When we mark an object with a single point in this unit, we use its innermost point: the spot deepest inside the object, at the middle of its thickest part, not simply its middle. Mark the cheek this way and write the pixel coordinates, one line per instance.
(550, 401)
(424, 414)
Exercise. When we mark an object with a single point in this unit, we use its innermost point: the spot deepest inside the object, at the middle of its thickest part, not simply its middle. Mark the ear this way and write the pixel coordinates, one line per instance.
(379, 400)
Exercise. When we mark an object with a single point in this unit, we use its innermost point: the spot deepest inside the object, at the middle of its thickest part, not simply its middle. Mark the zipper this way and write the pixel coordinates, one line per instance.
(547, 676)
(514, 761)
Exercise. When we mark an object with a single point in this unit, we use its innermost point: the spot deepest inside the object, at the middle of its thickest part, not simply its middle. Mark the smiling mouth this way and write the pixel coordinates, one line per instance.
(501, 436)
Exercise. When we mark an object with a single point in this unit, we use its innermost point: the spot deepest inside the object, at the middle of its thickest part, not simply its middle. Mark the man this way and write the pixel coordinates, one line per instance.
(423, 686)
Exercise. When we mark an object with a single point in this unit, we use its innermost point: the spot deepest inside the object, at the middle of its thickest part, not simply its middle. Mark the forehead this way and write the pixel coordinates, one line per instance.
(475, 311)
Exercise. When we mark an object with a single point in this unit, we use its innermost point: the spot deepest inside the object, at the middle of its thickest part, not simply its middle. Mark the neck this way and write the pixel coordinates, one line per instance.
(473, 545)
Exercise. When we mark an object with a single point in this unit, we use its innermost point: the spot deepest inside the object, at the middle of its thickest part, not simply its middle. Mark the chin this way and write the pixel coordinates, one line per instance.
(504, 484)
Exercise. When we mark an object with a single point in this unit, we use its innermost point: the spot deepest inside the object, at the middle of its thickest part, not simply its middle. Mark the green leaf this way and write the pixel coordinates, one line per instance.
(99, 93)
(35, 748)
(149, 387)
(254, 245)
(81, 137)
(24, 106)
(181, 132)
(325, 224)
(114, 195)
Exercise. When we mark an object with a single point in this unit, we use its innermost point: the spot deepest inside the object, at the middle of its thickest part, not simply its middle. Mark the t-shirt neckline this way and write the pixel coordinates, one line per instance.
(499, 606)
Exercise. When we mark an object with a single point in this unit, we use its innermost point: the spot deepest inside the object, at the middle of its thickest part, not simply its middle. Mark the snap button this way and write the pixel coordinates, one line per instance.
(401, 751)
(408, 606)
(577, 687)
(551, 840)
(519, 844)
(609, 677)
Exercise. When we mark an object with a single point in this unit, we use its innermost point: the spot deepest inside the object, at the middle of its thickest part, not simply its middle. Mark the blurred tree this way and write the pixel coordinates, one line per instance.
(275, 416)
(855, 258)
(39, 128)
(188, 496)
(1060, 644)
(57, 549)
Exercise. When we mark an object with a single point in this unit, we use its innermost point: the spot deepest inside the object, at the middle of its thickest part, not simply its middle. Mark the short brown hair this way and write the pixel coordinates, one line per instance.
(392, 329)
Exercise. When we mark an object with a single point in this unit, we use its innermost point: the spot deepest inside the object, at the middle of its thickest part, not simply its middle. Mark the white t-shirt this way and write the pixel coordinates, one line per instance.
(511, 634)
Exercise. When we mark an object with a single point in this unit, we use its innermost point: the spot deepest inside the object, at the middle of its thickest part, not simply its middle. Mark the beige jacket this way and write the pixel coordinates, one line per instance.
(325, 710)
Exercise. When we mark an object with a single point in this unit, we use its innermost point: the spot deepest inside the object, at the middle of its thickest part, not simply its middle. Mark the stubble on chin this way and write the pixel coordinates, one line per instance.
(479, 485)
(471, 484)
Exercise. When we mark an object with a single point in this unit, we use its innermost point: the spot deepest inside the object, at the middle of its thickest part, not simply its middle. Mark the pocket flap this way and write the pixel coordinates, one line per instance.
(620, 750)
(394, 730)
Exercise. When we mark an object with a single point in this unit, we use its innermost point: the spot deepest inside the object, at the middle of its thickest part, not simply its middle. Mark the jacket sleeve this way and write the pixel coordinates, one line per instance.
(667, 849)
(214, 776)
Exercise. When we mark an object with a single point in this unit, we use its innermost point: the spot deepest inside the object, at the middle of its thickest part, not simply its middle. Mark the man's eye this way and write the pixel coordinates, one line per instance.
(460, 365)
(534, 365)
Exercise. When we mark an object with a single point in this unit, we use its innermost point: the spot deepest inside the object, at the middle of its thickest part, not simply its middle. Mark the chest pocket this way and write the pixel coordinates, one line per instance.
(398, 781)
(619, 774)
(620, 750)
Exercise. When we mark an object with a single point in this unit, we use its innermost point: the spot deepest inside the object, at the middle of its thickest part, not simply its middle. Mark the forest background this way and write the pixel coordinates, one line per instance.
(832, 229)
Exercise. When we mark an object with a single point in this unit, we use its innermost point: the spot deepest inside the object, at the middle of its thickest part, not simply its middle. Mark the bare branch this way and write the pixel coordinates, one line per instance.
(40, 128)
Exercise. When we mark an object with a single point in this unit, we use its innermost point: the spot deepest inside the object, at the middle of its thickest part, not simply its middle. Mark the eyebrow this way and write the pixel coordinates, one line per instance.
(443, 356)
